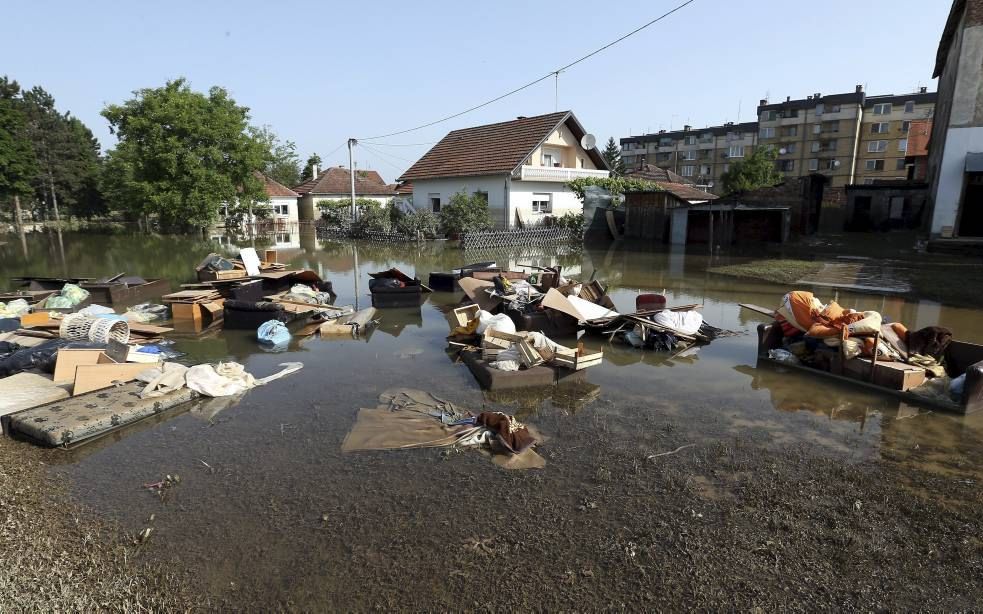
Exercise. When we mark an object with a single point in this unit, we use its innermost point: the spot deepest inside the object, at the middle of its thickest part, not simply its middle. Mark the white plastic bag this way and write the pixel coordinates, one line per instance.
(501, 323)
(686, 322)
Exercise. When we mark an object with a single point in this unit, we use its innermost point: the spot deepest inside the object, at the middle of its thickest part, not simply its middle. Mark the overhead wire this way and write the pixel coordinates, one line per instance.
(535, 81)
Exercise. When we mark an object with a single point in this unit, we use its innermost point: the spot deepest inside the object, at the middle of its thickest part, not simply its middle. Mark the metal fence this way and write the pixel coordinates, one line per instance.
(520, 237)
(342, 232)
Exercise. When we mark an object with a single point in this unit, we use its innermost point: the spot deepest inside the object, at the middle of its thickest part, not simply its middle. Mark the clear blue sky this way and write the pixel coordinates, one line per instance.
(318, 73)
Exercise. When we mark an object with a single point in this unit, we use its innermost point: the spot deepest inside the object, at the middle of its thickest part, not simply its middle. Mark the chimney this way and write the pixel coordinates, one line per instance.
(923, 90)
(314, 169)
(788, 99)
(817, 96)
(807, 98)
(860, 88)
(762, 102)
(686, 128)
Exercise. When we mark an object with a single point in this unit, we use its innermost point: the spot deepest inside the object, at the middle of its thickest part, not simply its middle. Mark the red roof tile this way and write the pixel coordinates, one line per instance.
(492, 149)
(337, 180)
(274, 188)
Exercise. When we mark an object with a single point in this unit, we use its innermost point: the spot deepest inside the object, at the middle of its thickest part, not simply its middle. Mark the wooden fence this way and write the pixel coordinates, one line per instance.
(520, 237)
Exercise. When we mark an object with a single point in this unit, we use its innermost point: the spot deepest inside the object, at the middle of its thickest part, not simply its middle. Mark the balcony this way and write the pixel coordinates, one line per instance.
(545, 173)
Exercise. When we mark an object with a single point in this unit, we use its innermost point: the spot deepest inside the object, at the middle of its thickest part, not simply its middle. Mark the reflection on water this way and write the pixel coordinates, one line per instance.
(286, 436)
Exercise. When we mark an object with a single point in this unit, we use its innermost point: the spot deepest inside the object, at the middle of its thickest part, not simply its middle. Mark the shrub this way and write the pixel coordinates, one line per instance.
(573, 222)
(464, 214)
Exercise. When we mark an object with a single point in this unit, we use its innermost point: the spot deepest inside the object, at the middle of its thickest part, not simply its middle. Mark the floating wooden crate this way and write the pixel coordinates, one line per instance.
(528, 354)
(497, 334)
(462, 315)
(490, 354)
(570, 360)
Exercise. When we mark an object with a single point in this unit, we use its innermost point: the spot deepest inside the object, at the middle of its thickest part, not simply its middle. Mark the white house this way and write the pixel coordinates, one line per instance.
(335, 184)
(281, 201)
(521, 167)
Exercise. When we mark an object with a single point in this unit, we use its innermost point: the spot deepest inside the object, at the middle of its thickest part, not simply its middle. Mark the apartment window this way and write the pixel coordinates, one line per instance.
(874, 165)
(769, 116)
(690, 140)
(733, 136)
(868, 181)
(663, 157)
(880, 128)
(814, 146)
(706, 138)
(817, 128)
(830, 164)
(689, 155)
(542, 203)
(434, 202)
(831, 126)
(909, 107)
(789, 113)
(736, 151)
(883, 108)
(705, 169)
(900, 165)
(903, 145)
(814, 164)
(790, 130)
(820, 108)
(835, 108)
(687, 170)
(829, 145)
(789, 148)
(905, 126)
(785, 166)
(665, 142)
(876, 146)
(281, 209)
(726, 168)
(706, 154)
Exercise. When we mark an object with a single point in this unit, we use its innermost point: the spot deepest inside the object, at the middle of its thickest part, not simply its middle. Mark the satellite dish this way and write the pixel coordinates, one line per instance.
(783, 151)
(588, 141)
(836, 163)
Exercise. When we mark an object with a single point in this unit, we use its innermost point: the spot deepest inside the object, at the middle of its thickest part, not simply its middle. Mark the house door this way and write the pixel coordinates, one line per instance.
(971, 211)
(861, 214)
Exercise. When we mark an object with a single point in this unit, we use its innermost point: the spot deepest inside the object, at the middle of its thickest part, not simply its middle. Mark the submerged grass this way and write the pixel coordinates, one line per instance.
(55, 557)
(780, 271)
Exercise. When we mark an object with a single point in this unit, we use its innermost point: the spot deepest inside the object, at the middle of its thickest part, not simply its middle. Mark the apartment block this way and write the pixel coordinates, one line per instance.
(700, 155)
(884, 134)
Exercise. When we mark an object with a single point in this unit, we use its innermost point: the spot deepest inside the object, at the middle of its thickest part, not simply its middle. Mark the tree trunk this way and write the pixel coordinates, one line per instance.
(54, 197)
(17, 219)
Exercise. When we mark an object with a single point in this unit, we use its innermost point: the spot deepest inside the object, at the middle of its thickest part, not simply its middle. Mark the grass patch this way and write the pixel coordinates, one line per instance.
(776, 271)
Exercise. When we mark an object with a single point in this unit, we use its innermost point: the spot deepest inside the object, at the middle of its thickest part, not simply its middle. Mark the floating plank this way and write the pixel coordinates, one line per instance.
(758, 309)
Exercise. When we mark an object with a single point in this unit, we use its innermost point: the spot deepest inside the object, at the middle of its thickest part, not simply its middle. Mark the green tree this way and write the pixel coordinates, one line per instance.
(182, 154)
(753, 172)
(283, 164)
(308, 171)
(465, 214)
(18, 165)
(612, 155)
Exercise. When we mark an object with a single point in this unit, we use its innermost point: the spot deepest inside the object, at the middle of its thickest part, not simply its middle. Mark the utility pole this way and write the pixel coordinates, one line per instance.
(351, 171)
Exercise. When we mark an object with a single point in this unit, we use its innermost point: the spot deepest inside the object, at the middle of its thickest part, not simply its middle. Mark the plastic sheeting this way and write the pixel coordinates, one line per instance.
(14, 309)
(273, 332)
(686, 322)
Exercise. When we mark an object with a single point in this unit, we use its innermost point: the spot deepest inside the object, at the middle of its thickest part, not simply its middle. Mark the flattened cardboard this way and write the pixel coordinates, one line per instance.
(473, 288)
(97, 377)
(40, 318)
(250, 260)
(68, 359)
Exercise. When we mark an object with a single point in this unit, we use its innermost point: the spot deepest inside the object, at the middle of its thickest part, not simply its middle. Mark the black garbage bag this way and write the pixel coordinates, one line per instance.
(9, 324)
(6, 348)
(386, 283)
(41, 356)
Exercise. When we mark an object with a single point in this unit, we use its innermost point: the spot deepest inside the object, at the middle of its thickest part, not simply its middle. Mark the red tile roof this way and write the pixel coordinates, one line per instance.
(274, 188)
(493, 149)
(337, 180)
(405, 187)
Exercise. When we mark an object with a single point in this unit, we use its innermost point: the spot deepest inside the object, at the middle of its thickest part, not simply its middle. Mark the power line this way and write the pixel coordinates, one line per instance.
(552, 73)
(404, 144)
(377, 152)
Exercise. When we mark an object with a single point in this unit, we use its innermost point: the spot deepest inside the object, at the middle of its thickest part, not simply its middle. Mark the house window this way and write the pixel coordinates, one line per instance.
(281, 209)
(900, 165)
(785, 166)
(790, 131)
(909, 107)
(689, 155)
(905, 126)
(690, 140)
(736, 151)
(874, 165)
(769, 116)
(790, 148)
(767, 133)
(814, 164)
(883, 108)
(482, 195)
(876, 146)
(542, 203)
(903, 145)
(548, 160)
(434, 202)
(687, 170)
(880, 128)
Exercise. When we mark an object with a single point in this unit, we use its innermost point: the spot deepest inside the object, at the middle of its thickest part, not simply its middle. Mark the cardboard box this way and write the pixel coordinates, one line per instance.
(201, 314)
(891, 375)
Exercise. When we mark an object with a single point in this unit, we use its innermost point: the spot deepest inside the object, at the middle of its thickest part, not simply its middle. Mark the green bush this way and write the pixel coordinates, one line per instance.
(422, 223)
(338, 213)
(571, 221)
(464, 214)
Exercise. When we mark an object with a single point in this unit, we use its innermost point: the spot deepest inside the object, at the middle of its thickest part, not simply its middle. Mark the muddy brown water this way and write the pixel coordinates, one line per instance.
(269, 512)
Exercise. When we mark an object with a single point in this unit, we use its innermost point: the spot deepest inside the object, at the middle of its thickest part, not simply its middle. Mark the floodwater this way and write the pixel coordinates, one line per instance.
(268, 505)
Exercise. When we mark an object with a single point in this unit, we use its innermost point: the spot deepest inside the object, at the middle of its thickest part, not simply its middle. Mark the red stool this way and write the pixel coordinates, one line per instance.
(649, 301)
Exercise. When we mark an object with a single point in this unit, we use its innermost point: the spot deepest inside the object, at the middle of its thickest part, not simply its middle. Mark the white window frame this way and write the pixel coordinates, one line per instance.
(281, 209)
(817, 128)
(689, 140)
(882, 108)
(687, 170)
(813, 164)
(871, 164)
(814, 146)
(542, 203)
(820, 109)
(830, 164)
(880, 127)
(876, 146)
(735, 151)
(767, 132)
(903, 145)
(689, 155)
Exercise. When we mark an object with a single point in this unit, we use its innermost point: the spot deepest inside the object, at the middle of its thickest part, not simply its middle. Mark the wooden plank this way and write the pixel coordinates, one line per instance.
(96, 377)
(758, 309)
(330, 328)
(40, 318)
(68, 359)
(148, 329)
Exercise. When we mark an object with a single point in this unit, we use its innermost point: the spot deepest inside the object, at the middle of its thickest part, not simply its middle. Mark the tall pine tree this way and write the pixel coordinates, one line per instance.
(612, 155)
(18, 166)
